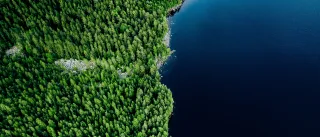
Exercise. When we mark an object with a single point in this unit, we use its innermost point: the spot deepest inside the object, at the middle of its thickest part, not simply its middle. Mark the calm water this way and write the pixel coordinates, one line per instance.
(246, 68)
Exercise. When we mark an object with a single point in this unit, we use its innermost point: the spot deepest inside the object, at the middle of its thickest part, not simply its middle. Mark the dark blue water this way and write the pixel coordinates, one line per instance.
(246, 68)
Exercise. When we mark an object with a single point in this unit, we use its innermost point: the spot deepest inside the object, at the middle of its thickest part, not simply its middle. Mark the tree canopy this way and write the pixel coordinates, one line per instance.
(120, 95)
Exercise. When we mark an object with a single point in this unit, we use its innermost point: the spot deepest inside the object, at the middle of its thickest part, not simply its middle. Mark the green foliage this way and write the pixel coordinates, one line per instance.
(38, 98)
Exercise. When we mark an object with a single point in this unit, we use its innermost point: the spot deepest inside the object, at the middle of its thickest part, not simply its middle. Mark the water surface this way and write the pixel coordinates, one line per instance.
(246, 68)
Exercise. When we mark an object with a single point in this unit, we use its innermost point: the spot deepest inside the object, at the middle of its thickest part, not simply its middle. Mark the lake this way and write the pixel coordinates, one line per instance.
(245, 68)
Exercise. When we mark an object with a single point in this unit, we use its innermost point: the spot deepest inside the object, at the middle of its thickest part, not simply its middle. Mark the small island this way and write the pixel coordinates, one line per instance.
(84, 68)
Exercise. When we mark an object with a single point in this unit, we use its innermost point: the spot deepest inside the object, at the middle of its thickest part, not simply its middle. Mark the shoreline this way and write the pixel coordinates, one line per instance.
(167, 36)
(166, 41)
(175, 9)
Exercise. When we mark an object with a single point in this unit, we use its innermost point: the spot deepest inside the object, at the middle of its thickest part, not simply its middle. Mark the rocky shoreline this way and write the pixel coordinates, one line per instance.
(171, 13)
(175, 9)
(167, 37)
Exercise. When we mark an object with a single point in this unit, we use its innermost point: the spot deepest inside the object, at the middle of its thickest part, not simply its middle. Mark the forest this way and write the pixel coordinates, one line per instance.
(83, 68)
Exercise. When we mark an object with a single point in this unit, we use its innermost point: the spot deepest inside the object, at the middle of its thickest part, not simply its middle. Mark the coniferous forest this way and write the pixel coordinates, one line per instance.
(83, 68)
